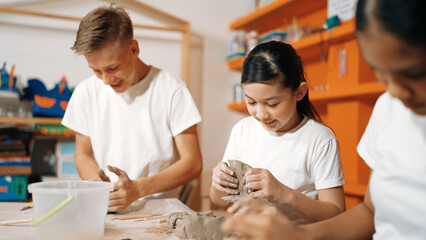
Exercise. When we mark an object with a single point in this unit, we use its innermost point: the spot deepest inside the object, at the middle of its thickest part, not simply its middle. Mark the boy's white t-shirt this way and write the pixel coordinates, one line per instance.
(394, 146)
(133, 130)
(306, 158)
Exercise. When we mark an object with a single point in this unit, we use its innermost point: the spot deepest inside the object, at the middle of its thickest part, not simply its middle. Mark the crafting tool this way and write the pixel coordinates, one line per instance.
(152, 218)
(12, 222)
(128, 217)
(28, 206)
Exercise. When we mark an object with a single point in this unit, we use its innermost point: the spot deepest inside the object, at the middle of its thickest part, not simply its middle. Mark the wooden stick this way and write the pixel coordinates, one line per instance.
(11, 222)
(163, 220)
(135, 216)
(56, 16)
(155, 11)
(156, 217)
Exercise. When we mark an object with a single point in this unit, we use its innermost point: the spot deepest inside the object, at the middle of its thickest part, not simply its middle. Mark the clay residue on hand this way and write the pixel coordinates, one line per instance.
(239, 168)
(200, 226)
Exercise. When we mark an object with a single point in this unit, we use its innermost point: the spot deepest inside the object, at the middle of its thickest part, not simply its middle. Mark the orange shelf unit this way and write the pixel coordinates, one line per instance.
(238, 106)
(276, 14)
(236, 64)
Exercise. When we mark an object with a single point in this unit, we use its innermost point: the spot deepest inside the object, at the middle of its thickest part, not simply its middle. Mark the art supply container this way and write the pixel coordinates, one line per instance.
(83, 218)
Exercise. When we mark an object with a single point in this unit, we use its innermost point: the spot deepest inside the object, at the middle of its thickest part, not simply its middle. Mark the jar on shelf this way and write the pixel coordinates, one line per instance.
(251, 40)
(238, 93)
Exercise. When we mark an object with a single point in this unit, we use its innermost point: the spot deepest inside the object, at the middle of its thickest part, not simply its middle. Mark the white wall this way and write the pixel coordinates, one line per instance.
(40, 48)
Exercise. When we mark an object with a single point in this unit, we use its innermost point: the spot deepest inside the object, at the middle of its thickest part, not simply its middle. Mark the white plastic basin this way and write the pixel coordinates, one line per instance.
(83, 218)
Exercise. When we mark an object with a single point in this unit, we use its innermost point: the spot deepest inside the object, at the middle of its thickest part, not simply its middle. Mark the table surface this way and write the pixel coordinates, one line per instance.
(114, 228)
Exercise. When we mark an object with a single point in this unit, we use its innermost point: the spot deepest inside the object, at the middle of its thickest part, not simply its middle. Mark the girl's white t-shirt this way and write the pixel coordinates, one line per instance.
(306, 158)
(394, 146)
(133, 130)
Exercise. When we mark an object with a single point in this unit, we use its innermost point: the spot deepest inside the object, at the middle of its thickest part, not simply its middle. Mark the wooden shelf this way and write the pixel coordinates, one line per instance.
(373, 89)
(34, 120)
(274, 14)
(366, 89)
(345, 31)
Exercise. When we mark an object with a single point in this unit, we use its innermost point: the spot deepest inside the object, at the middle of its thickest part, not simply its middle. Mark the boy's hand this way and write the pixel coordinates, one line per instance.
(125, 191)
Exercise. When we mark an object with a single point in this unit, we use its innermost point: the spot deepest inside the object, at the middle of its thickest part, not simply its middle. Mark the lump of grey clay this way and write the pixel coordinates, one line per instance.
(198, 226)
(239, 168)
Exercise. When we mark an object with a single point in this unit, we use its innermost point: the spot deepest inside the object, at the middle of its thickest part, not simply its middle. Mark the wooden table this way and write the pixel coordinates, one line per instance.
(114, 228)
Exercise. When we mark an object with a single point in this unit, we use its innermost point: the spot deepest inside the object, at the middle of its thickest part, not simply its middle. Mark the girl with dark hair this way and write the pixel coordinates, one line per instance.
(391, 34)
(295, 158)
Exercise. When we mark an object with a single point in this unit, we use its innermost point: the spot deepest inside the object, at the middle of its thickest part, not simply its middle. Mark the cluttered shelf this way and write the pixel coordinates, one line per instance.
(373, 89)
(274, 13)
(344, 31)
(33, 120)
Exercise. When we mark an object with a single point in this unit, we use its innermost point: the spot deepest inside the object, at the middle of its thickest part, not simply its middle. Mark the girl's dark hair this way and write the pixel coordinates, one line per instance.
(402, 18)
(278, 61)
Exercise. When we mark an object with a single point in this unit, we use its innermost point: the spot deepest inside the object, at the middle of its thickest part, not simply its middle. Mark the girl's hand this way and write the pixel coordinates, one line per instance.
(262, 184)
(224, 179)
(253, 220)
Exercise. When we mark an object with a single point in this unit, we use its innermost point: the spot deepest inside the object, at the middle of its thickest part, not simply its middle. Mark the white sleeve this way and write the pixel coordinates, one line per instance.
(76, 115)
(232, 151)
(367, 147)
(183, 112)
(327, 170)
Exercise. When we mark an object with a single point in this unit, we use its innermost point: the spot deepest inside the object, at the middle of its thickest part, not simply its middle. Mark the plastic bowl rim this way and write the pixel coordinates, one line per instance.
(38, 187)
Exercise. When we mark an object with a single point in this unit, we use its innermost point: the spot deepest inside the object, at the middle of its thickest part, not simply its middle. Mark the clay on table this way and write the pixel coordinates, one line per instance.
(199, 226)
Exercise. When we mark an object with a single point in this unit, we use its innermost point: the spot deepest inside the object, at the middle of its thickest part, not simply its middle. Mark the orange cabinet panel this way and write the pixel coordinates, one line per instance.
(346, 67)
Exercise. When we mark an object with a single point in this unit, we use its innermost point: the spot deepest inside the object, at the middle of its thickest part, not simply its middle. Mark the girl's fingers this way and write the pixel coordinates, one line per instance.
(220, 188)
(222, 171)
(225, 168)
(224, 182)
(229, 178)
(256, 174)
(254, 171)
(254, 186)
(225, 179)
